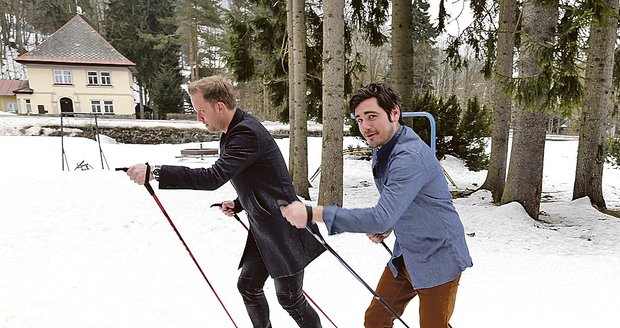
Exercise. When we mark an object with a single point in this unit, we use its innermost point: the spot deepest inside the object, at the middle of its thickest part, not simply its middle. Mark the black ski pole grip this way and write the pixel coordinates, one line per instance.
(309, 215)
(121, 169)
(146, 174)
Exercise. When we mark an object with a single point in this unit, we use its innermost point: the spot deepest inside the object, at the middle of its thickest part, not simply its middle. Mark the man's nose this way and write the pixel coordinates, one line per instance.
(364, 125)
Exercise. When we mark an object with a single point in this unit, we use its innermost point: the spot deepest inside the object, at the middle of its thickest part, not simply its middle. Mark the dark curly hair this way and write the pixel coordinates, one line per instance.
(387, 98)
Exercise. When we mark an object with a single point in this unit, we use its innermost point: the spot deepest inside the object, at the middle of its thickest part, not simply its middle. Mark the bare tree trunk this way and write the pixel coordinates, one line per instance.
(21, 34)
(194, 71)
(598, 106)
(97, 13)
(291, 87)
(2, 55)
(524, 182)
(300, 174)
(140, 89)
(376, 59)
(4, 36)
(6, 26)
(330, 190)
(402, 51)
(269, 110)
(496, 174)
(442, 78)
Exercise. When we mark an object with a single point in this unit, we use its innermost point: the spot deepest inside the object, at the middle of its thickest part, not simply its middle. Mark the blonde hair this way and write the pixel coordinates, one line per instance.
(214, 89)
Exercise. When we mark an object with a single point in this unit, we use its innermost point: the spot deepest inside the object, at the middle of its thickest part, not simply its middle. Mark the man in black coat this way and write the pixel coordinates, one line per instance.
(252, 161)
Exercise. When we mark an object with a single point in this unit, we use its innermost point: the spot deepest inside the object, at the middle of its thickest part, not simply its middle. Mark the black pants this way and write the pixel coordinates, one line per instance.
(288, 290)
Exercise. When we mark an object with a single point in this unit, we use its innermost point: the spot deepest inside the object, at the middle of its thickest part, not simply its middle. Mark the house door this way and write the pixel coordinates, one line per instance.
(66, 105)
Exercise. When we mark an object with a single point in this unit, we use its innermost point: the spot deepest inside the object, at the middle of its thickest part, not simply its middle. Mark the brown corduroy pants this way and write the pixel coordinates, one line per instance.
(436, 303)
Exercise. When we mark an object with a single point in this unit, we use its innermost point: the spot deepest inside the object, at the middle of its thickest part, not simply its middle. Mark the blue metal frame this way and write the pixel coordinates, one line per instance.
(431, 120)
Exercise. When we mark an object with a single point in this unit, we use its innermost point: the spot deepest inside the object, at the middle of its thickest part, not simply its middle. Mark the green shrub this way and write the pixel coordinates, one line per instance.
(462, 135)
(474, 128)
(612, 151)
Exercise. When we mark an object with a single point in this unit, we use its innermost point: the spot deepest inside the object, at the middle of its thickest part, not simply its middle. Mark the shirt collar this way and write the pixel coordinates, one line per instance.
(386, 149)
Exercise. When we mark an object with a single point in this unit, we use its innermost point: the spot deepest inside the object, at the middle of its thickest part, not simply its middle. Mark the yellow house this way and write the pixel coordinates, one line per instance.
(76, 70)
(8, 101)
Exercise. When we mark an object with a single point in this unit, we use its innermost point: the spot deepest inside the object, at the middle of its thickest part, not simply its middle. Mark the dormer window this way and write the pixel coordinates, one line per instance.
(99, 78)
(62, 76)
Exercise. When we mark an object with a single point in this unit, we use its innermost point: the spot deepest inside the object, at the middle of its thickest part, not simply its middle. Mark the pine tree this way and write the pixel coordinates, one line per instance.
(401, 75)
(148, 39)
(473, 130)
(200, 23)
(424, 55)
(300, 148)
(166, 94)
(535, 95)
(448, 117)
(331, 187)
(598, 104)
(52, 14)
(501, 102)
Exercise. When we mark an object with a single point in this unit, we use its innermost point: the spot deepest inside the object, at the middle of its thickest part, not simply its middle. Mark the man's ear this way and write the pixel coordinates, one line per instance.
(220, 106)
(395, 113)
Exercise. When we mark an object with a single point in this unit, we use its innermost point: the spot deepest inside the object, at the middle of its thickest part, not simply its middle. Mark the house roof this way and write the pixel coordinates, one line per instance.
(76, 42)
(8, 86)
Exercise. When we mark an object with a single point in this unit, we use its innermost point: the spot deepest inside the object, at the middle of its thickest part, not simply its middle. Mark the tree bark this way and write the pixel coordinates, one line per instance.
(524, 182)
(502, 104)
(194, 69)
(330, 189)
(598, 106)
(300, 174)
(402, 51)
(291, 88)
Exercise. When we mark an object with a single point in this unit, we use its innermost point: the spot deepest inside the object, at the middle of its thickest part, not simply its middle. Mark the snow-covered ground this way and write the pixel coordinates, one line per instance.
(89, 248)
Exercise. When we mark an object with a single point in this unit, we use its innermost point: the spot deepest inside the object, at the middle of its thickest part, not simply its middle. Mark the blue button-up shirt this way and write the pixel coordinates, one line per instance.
(415, 202)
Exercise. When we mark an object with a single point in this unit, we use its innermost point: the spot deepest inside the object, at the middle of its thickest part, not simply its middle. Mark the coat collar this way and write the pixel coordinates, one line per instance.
(239, 113)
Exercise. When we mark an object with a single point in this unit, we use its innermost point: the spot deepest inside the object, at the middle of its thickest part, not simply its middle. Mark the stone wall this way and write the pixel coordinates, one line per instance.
(140, 135)
(147, 135)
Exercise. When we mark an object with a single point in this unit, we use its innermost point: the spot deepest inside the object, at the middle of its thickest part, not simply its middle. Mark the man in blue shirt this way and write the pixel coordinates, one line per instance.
(430, 251)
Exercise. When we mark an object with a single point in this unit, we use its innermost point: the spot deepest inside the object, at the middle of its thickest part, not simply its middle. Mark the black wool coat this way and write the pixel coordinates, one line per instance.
(252, 161)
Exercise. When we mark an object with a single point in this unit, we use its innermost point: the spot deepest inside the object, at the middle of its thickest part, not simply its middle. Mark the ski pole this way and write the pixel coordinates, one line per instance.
(161, 207)
(386, 247)
(306, 294)
(321, 240)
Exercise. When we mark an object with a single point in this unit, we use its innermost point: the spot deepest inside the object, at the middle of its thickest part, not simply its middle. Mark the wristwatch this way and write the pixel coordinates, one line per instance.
(156, 169)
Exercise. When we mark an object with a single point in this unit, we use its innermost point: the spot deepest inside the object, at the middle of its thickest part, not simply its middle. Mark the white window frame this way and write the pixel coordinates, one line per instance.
(62, 76)
(28, 106)
(92, 77)
(99, 78)
(10, 106)
(108, 106)
(95, 106)
(105, 78)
